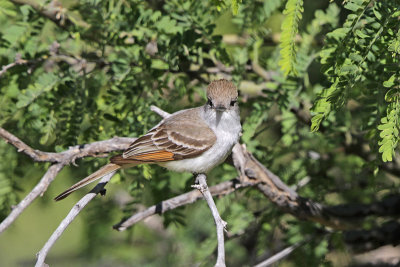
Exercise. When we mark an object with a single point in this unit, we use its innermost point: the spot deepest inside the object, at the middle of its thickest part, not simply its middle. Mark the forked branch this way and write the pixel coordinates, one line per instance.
(60, 160)
(77, 208)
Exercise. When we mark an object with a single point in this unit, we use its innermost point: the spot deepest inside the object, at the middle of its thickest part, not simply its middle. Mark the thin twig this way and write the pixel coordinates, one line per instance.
(267, 75)
(41, 256)
(36, 155)
(282, 254)
(18, 61)
(160, 112)
(221, 189)
(39, 189)
(53, 11)
(220, 224)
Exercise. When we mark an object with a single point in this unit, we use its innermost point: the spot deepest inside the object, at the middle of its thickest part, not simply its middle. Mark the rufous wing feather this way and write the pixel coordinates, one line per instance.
(152, 157)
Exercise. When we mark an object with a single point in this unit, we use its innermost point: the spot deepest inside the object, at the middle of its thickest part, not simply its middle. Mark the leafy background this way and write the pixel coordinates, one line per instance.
(329, 64)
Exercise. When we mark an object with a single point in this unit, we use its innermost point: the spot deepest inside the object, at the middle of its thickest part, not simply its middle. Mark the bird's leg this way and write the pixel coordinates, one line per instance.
(197, 184)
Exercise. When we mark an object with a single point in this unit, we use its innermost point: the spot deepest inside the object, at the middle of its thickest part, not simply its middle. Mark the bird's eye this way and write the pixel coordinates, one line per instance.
(209, 102)
(233, 102)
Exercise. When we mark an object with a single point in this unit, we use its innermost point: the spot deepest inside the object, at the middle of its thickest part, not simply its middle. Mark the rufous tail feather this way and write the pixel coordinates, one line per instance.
(91, 178)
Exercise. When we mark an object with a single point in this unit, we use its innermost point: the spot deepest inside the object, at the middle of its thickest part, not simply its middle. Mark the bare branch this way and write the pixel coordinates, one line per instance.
(78, 207)
(341, 217)
(221, 189)
(73, 153)
(220, 224)
(234, 39)
(288, 200)
(266, 75)
(53, 11)
(18, 61)
(388, 233)
(159, 111)
(282, 254)
(37, 155)
(260, 71)
(39, 189)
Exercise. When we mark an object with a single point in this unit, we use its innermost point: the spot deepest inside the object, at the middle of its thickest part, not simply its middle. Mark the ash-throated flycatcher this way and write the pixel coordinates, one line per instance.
(191, 140)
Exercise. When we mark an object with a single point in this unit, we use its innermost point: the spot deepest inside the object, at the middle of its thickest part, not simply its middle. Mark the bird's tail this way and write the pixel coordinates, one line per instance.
(91, 178)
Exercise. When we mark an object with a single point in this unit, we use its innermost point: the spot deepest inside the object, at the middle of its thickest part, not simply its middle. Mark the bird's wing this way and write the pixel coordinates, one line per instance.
(181, 136)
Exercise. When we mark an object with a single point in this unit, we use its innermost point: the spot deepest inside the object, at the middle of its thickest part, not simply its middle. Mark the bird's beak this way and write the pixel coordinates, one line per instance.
(220, 108)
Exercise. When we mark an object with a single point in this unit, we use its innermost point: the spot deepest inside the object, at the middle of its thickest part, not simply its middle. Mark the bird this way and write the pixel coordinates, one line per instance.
(192, 140)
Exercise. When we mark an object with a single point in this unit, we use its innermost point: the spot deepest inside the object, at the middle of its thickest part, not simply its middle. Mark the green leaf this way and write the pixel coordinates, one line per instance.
(387, 155)
(168, 25)
(355, 57)
(159, 64)
(377, 14)
(44, 83)
(48, 129)
(293, 11)
(348, 68)
(147, 171)
(389, 133)
(316, 121)
(250, 126)
(338, 34)
(390, 81)
(7, 9)
(361, 34)
(352, 6)
(234, 6)
(392, 95)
